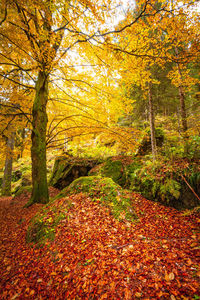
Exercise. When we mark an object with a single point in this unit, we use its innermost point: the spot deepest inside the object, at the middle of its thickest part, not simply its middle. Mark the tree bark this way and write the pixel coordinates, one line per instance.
(6, 185)
(152, 123)
(181, 98)
(38, 149)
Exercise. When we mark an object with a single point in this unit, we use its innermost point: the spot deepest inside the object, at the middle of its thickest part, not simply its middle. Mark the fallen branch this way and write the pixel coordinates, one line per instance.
(190, 187)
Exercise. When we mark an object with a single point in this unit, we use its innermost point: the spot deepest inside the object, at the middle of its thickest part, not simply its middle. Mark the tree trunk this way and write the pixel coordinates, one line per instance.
(38, 149)
(22, 146)
(182, 109)
(181, 98)
(6, 185)
(152, 123)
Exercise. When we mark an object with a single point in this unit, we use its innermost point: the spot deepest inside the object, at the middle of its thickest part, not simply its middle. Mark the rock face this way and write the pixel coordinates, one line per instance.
(111, 168)
(118, 168)
(66, 170)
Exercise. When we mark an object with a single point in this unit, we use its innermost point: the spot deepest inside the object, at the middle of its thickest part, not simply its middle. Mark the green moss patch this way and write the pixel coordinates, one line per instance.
(23, 189)
(105, 191)
(113, 169)
(43, 225)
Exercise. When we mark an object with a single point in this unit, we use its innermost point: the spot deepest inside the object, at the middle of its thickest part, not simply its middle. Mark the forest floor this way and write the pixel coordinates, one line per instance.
(96, 257)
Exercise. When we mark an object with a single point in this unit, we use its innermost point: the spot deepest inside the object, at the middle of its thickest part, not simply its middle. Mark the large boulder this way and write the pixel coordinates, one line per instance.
(105, 191)
(174, 185)
(66, 170)
(118, 168)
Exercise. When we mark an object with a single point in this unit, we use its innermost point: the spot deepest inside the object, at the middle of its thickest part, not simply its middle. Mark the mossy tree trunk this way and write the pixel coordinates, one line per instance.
(38, 149)
(6, 185)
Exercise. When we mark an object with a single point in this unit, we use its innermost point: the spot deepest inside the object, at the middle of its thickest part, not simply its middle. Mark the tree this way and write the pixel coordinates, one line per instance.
(38, 38)
(32, 34)
(152, 43)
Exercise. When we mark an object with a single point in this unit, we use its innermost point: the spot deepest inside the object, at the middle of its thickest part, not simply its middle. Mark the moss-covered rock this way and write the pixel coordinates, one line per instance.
(118, 169)
(23, 189)
(105, 191)
(23, 182)
(172, 184)
(66, 170)
(43, 225)
(115, 170)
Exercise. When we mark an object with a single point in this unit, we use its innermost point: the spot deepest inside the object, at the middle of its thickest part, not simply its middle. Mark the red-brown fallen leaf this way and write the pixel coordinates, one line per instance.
(68, 270)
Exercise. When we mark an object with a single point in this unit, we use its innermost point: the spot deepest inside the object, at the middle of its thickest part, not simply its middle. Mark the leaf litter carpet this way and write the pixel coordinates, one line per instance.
(96, 257)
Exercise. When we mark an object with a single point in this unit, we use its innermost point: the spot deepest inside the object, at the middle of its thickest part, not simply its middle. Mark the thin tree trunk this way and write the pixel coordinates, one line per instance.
(38, 149)
(182, 107)
(6, 185)
(152, 123)
(181, 99)
(23, 143)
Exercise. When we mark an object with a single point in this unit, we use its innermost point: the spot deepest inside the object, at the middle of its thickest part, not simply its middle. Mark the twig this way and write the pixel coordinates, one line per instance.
(190, 187)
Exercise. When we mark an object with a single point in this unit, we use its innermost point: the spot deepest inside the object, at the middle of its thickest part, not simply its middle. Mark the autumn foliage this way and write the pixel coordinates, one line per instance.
(94, 256)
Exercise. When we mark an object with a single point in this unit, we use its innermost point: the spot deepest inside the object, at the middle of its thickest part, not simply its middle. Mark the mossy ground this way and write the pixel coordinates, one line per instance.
(43, 225)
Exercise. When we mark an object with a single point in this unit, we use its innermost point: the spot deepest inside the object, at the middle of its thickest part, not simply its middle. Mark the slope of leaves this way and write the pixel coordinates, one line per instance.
(94, 256)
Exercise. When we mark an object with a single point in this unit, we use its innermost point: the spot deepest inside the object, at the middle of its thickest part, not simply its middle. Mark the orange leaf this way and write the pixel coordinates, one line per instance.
(32, 292)
(128, 294)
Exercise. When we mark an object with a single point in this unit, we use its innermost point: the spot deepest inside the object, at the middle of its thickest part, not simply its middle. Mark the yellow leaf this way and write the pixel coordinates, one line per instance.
(198, 273)
(8, 268)
(32, 293)
(138, 295)
(171, 276)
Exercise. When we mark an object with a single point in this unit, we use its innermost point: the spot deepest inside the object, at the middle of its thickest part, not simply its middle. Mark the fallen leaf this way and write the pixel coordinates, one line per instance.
(171, 276)
(138, 295)
(9, 268)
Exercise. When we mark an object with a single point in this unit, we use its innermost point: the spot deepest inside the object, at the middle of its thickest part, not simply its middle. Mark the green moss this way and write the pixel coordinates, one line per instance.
(22, 189)
(1, 177)
(113, 169)
(43, 225)
(57, 171)
(105, 191)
